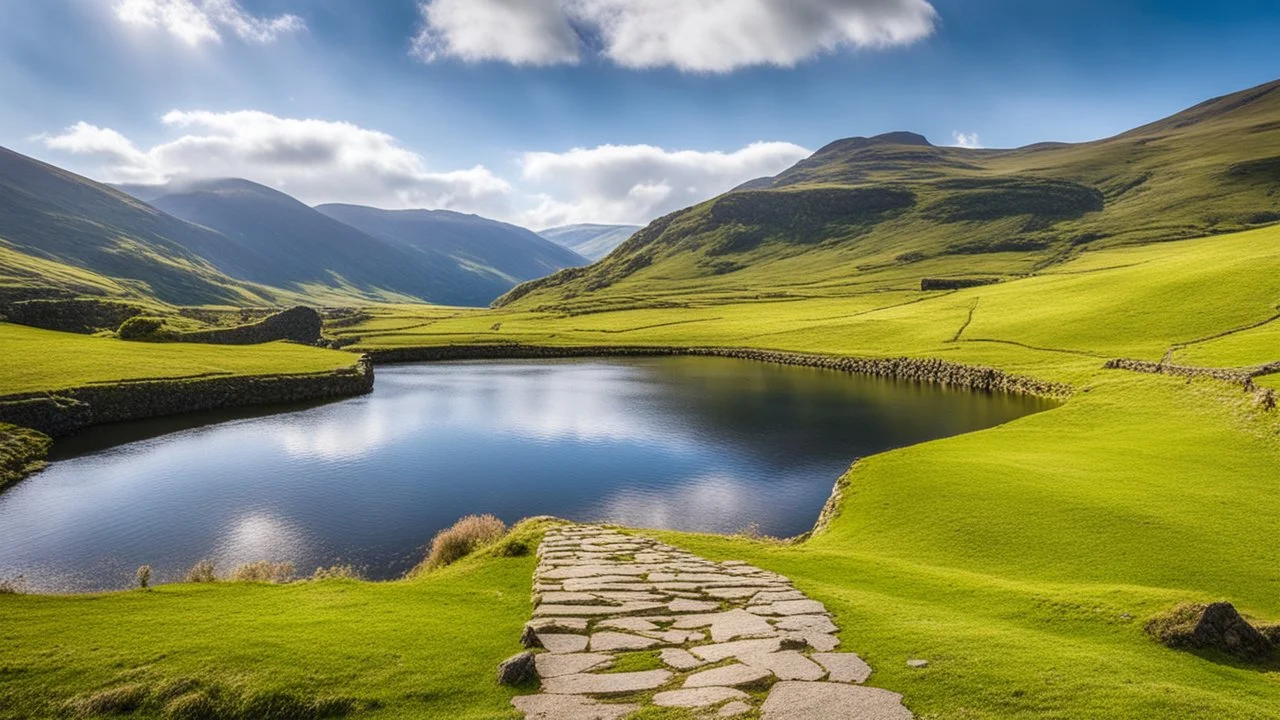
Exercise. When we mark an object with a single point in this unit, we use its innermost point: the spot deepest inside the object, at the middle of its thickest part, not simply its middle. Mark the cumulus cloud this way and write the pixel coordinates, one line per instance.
(966, 140)
(691, 35)
(198, 21)
(316, 161)
(636, 183)
(522, 32)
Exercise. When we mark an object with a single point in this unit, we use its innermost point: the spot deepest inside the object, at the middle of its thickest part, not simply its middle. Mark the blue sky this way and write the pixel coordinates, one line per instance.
(552, 111)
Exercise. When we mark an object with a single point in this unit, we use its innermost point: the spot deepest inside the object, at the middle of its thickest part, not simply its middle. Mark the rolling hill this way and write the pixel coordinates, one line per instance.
(63, 235)
(591, 241)
(882, 213)
(484, 257)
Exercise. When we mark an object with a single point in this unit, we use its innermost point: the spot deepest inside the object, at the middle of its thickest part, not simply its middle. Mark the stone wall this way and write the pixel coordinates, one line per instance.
(923, 370)
(71, 410)
(1266, 398)
(927, 284)
(77, 316)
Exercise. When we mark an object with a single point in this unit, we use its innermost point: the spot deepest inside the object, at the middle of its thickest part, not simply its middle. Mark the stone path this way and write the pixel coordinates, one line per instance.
(622, 622)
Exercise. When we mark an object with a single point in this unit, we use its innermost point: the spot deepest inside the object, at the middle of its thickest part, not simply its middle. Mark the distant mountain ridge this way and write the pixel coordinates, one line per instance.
(883, 213)
(593, 241)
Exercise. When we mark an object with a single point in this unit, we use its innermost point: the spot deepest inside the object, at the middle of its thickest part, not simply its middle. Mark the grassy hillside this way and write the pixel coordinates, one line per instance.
(591, 241)
(55, 216)
(870, 214)
(39, 360)
(472, 260)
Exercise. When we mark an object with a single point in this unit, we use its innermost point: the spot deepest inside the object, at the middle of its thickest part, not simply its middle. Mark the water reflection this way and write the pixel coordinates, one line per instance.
(688, 443)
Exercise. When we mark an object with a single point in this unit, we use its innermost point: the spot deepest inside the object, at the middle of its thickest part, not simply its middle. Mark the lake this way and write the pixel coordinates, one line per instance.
(706, 444)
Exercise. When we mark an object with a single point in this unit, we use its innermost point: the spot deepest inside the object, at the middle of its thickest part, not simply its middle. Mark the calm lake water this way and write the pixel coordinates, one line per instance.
(688, 443)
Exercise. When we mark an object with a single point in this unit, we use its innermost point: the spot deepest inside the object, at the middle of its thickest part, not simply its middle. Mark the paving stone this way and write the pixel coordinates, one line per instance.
(612, 583)
(697, 697)
(844, 667)
(787, 665)
(734, 709)
(569, 707)
(821, 642)
(817, 623)
(722, 651)
(587, 571)
(769, 597)
(728, 625)
(562, 643)
(678, 637)
(680, 659)
(607, 683)
(570, 598)
(732, 593)
(918, 664)
(730, 675)
(832, 701)
(790, 607)
(692, 606)
(595, 610)
(633, 624)
(608, 640)
(630, 596)
(552, 665)
(558, 624)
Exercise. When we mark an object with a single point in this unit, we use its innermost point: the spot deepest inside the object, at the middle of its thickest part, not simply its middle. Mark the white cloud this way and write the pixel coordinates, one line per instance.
(690, 35)
(197, 21)
(636, 183)
(522, 32)
(966, 140)
(316, 161)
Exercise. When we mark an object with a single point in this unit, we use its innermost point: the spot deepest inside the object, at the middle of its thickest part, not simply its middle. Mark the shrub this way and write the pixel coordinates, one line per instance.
(144, 577)
(515, 548)
(11, 585)
(264, 572)
(201, 572)
(139, 328)
(337, 572)
(465, 537)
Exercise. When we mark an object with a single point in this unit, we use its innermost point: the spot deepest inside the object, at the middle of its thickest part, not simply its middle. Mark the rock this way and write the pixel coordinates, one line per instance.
(732, 593)
(558, 624)
(697, 697)
(844, 667)
(609, 640)
(1221, 627)
(769, 597)
(570, 598)
(529, 637)
(552, 665)
(680, 659)
(730, 675)
(821, 642)
(631, 623)
(595, 610)
(817, 623)
(516, 669)
(692, 606)
(733, 709)
(787, 665)
(918, 664)
(562, 643)
(722, 651)
(832, 701)
(728, 625)
(791, 607)
(606, 684)
(569, 707)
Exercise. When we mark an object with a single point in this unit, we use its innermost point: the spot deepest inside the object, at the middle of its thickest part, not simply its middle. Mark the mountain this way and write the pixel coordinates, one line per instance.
(487, 256)
(64, 235)
(883, 213)
(268, 237)
(590, 241)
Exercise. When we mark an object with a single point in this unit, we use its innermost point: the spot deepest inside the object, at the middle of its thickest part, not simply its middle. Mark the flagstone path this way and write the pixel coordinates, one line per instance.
(622, 622)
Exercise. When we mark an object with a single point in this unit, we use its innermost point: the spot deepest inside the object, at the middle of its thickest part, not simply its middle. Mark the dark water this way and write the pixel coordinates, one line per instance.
(689, 443)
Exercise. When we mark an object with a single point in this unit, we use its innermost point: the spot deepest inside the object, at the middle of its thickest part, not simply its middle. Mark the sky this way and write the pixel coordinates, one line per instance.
(550, 112)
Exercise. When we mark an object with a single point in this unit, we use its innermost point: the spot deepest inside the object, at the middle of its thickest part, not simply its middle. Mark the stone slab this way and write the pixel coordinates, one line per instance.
(832, 701)
(728, 676)
(697, 697)
(844, 667)
(569, 707)
(607, 683)
(554, 665)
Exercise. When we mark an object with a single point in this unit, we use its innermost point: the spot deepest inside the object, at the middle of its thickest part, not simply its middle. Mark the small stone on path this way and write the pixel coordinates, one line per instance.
(918, 664)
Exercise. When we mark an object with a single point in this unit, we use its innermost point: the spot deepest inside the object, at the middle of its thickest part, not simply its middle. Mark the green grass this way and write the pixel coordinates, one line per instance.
(38, 360)
(21, 450)
(1021, 561)
(415, 648)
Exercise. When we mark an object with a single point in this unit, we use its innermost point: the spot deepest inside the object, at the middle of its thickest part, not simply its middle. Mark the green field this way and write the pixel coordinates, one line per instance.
(1021, 561)
(39, 360)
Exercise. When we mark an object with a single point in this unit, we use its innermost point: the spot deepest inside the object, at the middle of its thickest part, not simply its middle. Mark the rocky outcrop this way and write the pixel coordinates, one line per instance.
(299, 324)
(927, 284)
(1215, 626)
(84, 316)
(22, 451)
(68, 411)
(924, 370)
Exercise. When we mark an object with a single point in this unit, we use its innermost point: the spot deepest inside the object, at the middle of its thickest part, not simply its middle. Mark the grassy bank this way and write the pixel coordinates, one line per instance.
(1021, 561)
(21, 451)
(38, 360)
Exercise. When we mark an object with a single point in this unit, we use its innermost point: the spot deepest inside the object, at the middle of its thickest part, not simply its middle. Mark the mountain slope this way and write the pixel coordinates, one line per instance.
(484, 256)
(273, 239)
(869, 214)
(590, 241)
(64, 234)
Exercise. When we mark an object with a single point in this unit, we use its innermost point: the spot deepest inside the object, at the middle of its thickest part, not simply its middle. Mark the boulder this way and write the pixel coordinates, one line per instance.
(1221, 627)
(516, 669)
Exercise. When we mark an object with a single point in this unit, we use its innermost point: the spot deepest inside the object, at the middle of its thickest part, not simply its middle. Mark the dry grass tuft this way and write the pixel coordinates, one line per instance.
(264, 572)
(465, 537)
(201, 572)
(337, 572)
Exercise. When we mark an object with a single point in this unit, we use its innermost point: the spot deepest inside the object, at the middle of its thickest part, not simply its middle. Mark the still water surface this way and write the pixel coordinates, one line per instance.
(705, 444)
